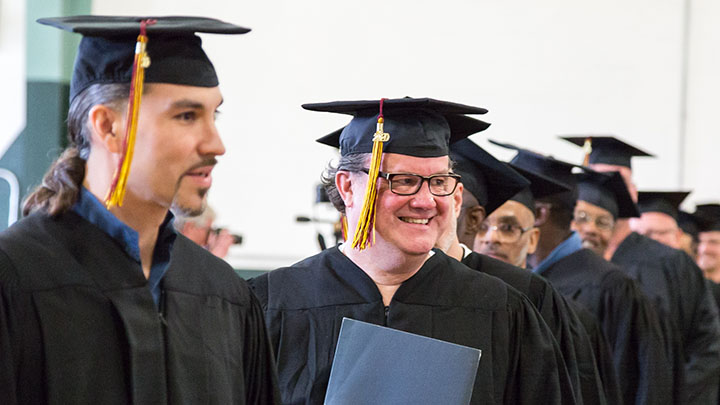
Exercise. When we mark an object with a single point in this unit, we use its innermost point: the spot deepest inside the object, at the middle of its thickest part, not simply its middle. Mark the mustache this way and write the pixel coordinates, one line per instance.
(209, 161)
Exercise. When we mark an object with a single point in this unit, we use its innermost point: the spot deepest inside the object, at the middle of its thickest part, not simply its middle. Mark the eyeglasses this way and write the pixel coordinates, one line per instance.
(602, 222)
(440, 185)
(506, 232)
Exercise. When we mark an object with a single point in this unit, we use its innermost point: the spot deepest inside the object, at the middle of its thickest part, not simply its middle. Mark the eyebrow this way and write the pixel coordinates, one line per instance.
(192, 104)
(507, 218)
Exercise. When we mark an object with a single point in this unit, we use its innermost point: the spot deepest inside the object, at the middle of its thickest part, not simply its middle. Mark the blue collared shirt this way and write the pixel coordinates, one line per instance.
(92, 210)
(568, 247)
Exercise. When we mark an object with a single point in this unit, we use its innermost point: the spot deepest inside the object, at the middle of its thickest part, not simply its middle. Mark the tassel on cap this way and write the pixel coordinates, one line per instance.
(366, 222)
(587, 149)
(116, 193)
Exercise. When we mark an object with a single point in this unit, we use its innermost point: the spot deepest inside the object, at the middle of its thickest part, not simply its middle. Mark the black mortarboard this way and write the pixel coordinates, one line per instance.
(491, 181)
(540, 186)
(537, 163)
(689, 223)
(607, 149)
(608, 191)
(107, 49)
(666, 202)
(374, 364)
(420, 127)
(709, 217)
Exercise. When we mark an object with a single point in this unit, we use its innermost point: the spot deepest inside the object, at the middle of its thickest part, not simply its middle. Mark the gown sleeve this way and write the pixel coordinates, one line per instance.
(260, 372)
(702, 346)
(538, 369)
(633, 330)
(8, 377)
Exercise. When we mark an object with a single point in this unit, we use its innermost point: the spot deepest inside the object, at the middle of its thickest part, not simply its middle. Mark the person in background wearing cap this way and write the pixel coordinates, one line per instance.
(708, 257)
(668, 276)
(100, 300)
(488, 183)
(395, 277)
(659, 212)
(628, 321)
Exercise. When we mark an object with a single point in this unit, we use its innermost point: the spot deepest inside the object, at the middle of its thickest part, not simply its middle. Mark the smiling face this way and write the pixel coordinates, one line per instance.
(708, 257)
(409, 223)
(595, 226)
(176, 146)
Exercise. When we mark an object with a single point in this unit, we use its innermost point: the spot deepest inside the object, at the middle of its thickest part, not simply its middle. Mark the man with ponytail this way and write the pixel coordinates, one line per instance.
(101, 301)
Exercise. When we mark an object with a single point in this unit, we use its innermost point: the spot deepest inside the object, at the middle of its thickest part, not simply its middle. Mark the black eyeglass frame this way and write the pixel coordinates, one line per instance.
(389, 176)
(516, 238)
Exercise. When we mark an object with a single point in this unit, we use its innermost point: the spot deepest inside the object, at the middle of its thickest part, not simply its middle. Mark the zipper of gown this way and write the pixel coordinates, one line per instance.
(387, 311)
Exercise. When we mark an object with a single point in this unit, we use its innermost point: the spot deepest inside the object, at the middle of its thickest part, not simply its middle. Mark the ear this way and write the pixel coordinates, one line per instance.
(343, 183)
(534, 239)
(473, 218)
(542, 214)
(458, 200)
(107, 128)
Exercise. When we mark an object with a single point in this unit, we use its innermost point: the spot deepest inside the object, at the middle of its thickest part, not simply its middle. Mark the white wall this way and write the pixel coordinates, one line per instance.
(541, 68)
(12, 71)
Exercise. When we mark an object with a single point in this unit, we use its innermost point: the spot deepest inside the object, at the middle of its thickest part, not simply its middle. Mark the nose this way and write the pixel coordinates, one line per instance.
(423, 199)
(491, 236)
(212, 145)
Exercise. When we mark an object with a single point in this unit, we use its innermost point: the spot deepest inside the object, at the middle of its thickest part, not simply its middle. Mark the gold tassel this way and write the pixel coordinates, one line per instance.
(366, 222)
(587, 149)
(344, 227)
(116, 193)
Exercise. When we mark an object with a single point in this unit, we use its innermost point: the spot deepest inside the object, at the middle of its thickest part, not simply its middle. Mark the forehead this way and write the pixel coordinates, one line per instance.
(512, 210)
(591, 208)
(709, 236)
(657, 218)
(394, 163)
(164, 95)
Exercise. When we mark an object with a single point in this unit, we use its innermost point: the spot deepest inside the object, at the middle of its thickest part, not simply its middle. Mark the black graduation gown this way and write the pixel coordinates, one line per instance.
(677, 286)
(630, 325)
(305, 304)
(601, 350)
(78, 323)
(569, 332)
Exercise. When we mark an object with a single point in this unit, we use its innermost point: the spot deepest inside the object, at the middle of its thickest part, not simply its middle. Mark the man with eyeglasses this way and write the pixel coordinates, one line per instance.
(602, 199)
(388, 273)
(487, 184)
(628, 321)
(669, 277)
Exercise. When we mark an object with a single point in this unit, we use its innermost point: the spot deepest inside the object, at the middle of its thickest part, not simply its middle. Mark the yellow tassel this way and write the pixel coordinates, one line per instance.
(366, 222)
(587, 149)
(344, 226)
(116, 194)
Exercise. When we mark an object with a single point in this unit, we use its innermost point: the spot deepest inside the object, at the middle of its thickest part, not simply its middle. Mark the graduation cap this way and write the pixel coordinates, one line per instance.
(608, 191)
(421, 127)
(708, 216)
(689, 223)
(666, 202)
(539, 164)
(540, 186)
(491, 181)
(134, 51)
(606, 149)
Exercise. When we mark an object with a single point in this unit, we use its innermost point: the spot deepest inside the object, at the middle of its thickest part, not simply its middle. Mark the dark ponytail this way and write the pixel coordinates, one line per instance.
(61, 185)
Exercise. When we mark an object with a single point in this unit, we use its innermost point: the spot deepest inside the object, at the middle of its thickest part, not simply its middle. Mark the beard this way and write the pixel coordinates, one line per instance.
(181, 207)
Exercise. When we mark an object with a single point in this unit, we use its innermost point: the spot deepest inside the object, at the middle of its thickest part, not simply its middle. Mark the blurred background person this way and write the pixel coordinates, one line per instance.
(200, 230)
(659, 212)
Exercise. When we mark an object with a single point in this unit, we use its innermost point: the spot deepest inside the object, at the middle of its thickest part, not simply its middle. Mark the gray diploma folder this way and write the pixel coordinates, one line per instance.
(378, 365)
